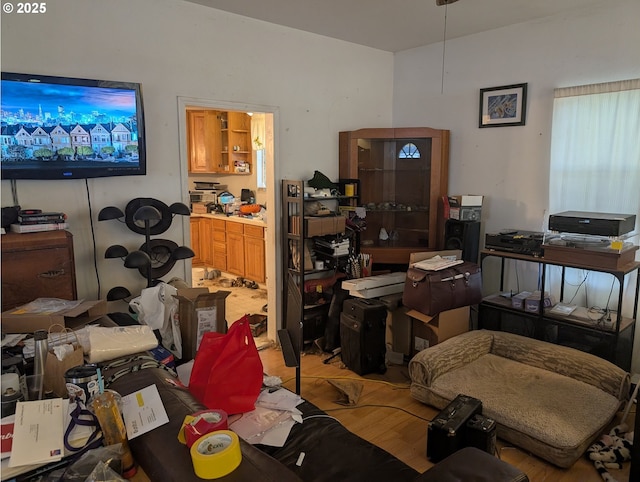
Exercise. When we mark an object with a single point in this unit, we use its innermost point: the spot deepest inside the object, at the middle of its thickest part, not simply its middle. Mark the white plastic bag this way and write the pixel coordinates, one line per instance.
(155, 307)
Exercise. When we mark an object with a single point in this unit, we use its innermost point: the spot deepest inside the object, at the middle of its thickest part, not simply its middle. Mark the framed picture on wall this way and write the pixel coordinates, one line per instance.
(503, 106)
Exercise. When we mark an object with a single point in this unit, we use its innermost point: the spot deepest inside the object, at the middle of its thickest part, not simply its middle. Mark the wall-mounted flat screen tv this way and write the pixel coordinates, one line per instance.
(67, 128)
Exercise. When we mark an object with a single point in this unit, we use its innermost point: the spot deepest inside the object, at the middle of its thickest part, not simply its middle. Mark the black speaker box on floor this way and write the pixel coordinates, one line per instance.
(464, 235)
(481, 433)
(447, 432)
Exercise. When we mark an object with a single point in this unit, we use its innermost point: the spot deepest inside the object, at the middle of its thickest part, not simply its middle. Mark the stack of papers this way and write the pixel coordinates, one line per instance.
(563, 309)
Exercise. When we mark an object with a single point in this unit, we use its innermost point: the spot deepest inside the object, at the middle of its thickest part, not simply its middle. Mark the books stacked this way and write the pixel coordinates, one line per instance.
(35, 220)
(332, 247)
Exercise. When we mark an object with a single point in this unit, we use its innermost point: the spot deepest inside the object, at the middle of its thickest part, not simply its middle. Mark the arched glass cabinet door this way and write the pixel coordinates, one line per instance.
(409, 151)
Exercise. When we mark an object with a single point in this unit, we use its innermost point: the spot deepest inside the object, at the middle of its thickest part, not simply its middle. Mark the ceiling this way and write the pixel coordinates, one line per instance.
(395, 25)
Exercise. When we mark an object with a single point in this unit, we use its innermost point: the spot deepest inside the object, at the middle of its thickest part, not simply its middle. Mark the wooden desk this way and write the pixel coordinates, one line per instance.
(36, 265)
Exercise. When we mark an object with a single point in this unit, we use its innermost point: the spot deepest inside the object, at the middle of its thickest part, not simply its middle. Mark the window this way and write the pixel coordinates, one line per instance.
(595, 165)
(259, 141)
(409, 151)
(261, 169)
(595, 149)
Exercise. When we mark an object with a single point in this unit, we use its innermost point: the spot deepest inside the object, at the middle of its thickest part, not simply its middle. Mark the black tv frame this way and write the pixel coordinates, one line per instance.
(83, 169)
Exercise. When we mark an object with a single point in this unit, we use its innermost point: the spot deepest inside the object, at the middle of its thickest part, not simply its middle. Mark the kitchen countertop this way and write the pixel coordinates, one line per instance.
(236, 219)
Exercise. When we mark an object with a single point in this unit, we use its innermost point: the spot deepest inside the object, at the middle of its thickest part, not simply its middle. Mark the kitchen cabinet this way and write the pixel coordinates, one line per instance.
(203, 141)
(206, 244)
(230, 246)
(219, 237)
(237, 150)
(37, 265)
(246, 251)
(219, 142)
(194, 224)
(201, 241)
(608, 335)
(235, 248)
(254, 253)
(402, 174)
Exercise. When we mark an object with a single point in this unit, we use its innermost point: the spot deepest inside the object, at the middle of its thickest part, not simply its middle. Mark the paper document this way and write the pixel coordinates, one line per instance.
(437, 263)
(143, 411)
(38, 432)
(281, 399)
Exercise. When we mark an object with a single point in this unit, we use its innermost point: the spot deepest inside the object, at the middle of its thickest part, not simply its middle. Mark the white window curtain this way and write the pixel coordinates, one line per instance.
(595, 149)
(595, 167)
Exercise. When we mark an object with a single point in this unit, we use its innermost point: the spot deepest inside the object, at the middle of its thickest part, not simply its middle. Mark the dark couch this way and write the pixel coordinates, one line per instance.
(331, 452)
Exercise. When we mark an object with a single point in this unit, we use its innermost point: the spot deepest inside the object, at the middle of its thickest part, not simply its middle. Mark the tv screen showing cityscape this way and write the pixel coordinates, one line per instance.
(67, 128)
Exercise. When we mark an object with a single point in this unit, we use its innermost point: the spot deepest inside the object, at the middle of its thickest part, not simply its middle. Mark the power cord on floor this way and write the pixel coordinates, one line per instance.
(373, 405)
(394, 385)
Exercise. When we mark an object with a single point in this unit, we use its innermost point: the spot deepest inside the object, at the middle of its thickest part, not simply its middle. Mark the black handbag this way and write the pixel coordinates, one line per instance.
(431, 292)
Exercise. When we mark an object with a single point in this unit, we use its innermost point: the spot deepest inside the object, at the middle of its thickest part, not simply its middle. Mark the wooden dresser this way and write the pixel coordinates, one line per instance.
(37, 265)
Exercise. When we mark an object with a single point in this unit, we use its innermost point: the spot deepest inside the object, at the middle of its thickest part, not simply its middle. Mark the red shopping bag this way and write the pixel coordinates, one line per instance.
(227, 370)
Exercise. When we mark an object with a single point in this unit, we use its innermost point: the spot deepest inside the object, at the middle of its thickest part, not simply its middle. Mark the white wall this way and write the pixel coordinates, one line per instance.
(510, 165)
(317, 85)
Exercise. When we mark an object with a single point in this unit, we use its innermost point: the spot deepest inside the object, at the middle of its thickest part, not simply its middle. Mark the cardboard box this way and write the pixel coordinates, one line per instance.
(517, 301)
(199, 311)
(532, 303)
(431, 330)
(20, 320)
(467, 200)
(398, 334)
(164, 356)
(323, 225)
(258, 324)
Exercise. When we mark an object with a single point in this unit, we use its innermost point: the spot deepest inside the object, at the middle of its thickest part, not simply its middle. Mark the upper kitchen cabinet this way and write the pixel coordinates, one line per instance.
(203, 140)
(219, 142)
(403, 173)
(236, 143)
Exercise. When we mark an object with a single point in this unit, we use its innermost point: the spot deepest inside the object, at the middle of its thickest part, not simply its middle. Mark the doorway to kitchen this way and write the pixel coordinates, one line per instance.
(242, 162)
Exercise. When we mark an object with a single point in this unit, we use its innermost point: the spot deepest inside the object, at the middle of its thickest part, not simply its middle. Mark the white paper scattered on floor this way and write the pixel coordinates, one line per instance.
(279, 399)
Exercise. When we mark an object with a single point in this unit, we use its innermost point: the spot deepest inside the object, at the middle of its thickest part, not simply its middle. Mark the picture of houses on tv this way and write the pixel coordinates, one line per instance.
(53, 122)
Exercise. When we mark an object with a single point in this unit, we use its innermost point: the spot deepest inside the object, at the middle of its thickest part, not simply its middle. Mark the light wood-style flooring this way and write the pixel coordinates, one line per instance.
(387, 416)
